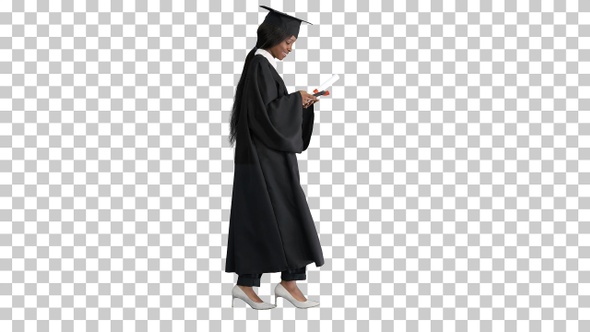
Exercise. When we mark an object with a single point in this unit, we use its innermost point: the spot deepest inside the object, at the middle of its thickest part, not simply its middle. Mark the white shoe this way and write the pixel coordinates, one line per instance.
(237, 292)
(281, 291)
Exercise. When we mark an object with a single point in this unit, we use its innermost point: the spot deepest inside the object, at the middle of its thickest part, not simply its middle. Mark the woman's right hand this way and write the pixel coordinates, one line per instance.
(307, 99)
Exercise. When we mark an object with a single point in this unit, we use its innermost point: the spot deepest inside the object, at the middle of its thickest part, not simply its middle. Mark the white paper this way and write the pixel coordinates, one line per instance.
(329, 82)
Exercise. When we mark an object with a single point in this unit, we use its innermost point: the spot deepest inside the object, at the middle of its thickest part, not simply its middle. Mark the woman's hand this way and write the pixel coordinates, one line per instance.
(307, 99)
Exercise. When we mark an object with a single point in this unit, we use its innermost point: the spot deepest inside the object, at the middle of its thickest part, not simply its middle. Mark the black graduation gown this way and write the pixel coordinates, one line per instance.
(271, 228)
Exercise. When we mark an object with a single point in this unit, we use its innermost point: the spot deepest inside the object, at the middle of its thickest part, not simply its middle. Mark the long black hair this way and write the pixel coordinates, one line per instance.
(268, 36)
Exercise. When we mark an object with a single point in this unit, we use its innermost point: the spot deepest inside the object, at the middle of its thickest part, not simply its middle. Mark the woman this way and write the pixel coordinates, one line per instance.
(271, 228)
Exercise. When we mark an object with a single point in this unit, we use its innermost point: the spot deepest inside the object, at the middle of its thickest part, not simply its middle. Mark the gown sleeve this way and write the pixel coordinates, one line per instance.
(279, 121)
(307, 125)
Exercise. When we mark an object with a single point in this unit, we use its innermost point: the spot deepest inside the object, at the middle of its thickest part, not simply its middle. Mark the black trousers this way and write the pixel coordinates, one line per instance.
(254, 279)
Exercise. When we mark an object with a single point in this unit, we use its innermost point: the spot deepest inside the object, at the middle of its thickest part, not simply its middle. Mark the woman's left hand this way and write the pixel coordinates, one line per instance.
(307, 98)
(311, 102)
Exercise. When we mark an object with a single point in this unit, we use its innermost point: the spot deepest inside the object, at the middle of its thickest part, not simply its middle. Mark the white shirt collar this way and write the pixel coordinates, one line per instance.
(267, 55)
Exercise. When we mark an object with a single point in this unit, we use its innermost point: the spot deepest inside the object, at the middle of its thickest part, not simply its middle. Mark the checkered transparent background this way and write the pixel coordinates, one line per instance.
(448, 173)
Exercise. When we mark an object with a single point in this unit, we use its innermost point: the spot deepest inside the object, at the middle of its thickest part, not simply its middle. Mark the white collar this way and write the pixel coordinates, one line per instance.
(267, 55)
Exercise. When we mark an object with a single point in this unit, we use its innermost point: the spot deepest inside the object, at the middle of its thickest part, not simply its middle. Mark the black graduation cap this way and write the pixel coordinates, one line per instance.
(286, 22)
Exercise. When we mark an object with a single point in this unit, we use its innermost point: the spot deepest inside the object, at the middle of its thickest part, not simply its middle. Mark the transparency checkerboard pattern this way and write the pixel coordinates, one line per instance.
(447, 175)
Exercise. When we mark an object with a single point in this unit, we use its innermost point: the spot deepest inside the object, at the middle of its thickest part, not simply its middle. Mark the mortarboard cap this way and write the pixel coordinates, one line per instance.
(286, 22)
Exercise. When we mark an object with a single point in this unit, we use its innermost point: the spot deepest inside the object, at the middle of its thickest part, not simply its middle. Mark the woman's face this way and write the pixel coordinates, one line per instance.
(281, 50)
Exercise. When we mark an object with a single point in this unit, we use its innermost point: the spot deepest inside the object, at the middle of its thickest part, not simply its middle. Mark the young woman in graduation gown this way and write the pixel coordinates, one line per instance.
(271, 228)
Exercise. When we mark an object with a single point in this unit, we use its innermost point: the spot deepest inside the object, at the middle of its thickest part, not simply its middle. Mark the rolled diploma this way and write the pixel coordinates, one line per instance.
(328, 83)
